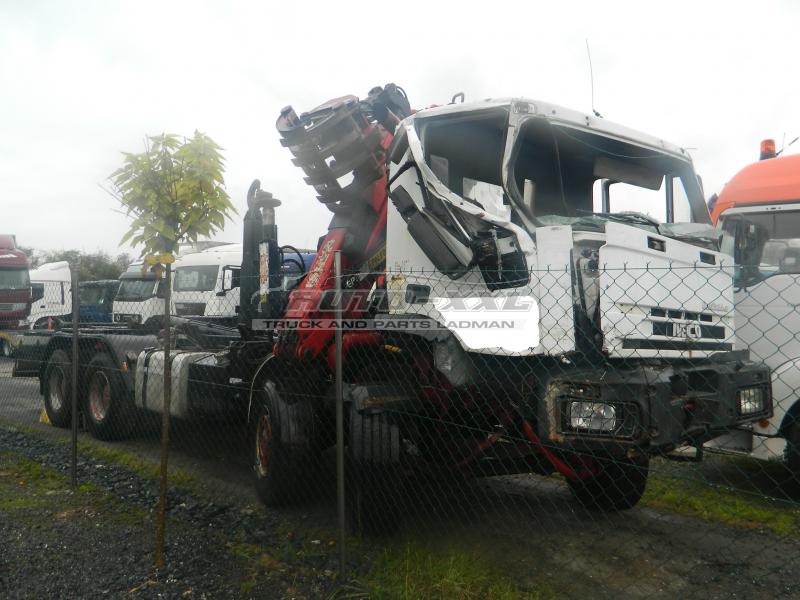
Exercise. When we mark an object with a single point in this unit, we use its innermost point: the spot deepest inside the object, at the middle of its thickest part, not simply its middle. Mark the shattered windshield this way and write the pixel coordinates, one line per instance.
(555, 170)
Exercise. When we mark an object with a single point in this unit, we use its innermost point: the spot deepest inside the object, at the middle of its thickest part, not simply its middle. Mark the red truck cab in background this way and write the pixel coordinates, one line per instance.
(15, 285)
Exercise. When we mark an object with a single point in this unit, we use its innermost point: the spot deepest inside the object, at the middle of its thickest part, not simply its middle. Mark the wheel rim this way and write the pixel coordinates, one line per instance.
(99, 397)
(263, 444)
(55, 387)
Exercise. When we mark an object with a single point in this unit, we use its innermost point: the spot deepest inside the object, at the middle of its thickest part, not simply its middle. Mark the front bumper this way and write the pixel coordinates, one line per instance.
(654, 407)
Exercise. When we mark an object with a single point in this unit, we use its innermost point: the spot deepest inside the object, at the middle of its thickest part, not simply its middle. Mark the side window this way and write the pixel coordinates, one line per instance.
(37, 291)
(680, 202)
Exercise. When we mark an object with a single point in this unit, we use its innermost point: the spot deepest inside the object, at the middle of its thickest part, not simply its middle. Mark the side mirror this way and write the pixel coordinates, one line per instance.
(750, 241)
(230, 279)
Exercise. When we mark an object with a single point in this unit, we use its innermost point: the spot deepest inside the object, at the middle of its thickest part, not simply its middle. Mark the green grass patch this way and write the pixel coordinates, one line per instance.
(29, 491)
(148, 469)
(717, 503)
(409, 571)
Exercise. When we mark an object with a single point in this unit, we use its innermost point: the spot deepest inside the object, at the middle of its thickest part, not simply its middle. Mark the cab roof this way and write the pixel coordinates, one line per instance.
(562, 115)
(765, 181)
(12, 258)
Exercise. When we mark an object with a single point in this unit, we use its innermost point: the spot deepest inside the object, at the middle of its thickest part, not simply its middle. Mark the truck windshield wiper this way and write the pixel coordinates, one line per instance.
(628, 217)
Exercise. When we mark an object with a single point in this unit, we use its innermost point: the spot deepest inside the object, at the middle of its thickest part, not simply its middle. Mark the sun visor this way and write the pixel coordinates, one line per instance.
(626, 172)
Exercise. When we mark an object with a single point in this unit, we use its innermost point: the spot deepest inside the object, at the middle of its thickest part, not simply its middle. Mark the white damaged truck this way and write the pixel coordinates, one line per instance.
(620, 321)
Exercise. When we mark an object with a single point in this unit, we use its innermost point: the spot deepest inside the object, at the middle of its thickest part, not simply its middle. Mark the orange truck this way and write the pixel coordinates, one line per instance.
(758, 212)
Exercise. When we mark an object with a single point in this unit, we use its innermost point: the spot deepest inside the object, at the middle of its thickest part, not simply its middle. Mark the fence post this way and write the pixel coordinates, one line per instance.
(340, 475)
(74, 392)
(161, 511)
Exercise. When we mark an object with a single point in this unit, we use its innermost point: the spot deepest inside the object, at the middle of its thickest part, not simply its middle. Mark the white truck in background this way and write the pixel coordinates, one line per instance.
(205, 284)
(51, 296)
(140, 298)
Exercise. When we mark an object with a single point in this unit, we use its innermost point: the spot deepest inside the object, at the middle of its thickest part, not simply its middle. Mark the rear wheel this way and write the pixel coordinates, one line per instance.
(375, 487)
(58, 389)
(618, 484)
(107, 406)
(283, 450)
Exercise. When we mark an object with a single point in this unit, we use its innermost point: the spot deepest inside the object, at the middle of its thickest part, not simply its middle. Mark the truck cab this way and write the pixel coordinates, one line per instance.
(97, 300)
(206, 284)
(51, 295)
(140, 298)
(758, 213)
(15, 291)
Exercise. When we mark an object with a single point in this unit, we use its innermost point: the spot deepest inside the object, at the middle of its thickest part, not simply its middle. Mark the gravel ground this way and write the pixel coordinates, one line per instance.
(98, 543)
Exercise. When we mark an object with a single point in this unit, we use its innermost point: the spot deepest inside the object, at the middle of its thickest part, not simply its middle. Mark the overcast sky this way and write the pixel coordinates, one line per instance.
(82, 81)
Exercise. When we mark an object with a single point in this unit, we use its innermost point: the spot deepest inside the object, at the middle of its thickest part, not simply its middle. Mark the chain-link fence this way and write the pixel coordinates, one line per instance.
(585, 432)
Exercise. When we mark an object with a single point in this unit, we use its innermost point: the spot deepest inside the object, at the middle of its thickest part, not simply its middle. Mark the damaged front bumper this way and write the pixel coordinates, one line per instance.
(654, 407)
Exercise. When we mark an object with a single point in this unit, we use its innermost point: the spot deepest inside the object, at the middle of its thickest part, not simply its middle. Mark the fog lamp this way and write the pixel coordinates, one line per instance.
(595, 416)
(751, 400)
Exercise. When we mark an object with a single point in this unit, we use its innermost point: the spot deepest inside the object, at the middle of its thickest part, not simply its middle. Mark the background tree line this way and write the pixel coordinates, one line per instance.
(89, 265)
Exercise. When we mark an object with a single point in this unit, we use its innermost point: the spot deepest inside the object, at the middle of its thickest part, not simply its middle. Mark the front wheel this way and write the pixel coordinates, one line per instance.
(107, 405)
(283, 452)
(792, 452)
(616, 484)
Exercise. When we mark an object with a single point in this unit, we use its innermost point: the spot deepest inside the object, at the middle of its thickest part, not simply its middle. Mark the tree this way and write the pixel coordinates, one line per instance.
(175, 191)
(90, 266)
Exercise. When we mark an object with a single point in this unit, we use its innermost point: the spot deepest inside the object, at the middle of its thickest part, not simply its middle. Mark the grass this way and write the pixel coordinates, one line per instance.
(148, 469)
(409, 571)
(29, 490)
(684, 493)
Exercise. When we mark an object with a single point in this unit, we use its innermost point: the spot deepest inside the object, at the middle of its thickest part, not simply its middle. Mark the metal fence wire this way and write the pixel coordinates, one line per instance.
(582, 432)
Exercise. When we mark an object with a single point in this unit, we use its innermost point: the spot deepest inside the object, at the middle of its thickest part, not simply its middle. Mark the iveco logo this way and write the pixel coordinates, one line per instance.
(688, 331)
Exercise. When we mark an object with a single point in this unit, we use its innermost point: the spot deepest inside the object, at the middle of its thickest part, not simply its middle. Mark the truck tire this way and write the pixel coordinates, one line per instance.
(283, 452)
(375, 486)
(106, 405)
(792, 452)
(619, 485)
(58, 389)
(7, 350)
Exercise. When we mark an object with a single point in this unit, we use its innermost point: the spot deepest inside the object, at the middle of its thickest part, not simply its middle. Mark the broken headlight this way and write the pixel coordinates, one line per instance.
(592, 416)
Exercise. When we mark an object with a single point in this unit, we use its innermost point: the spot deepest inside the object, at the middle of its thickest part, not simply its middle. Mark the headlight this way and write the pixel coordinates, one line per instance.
(18, 306)
(752, 400)
(595, 416)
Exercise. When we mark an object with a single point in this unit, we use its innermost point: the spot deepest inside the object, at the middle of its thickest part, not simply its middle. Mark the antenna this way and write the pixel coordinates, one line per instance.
(787, 145)
(591, 78)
